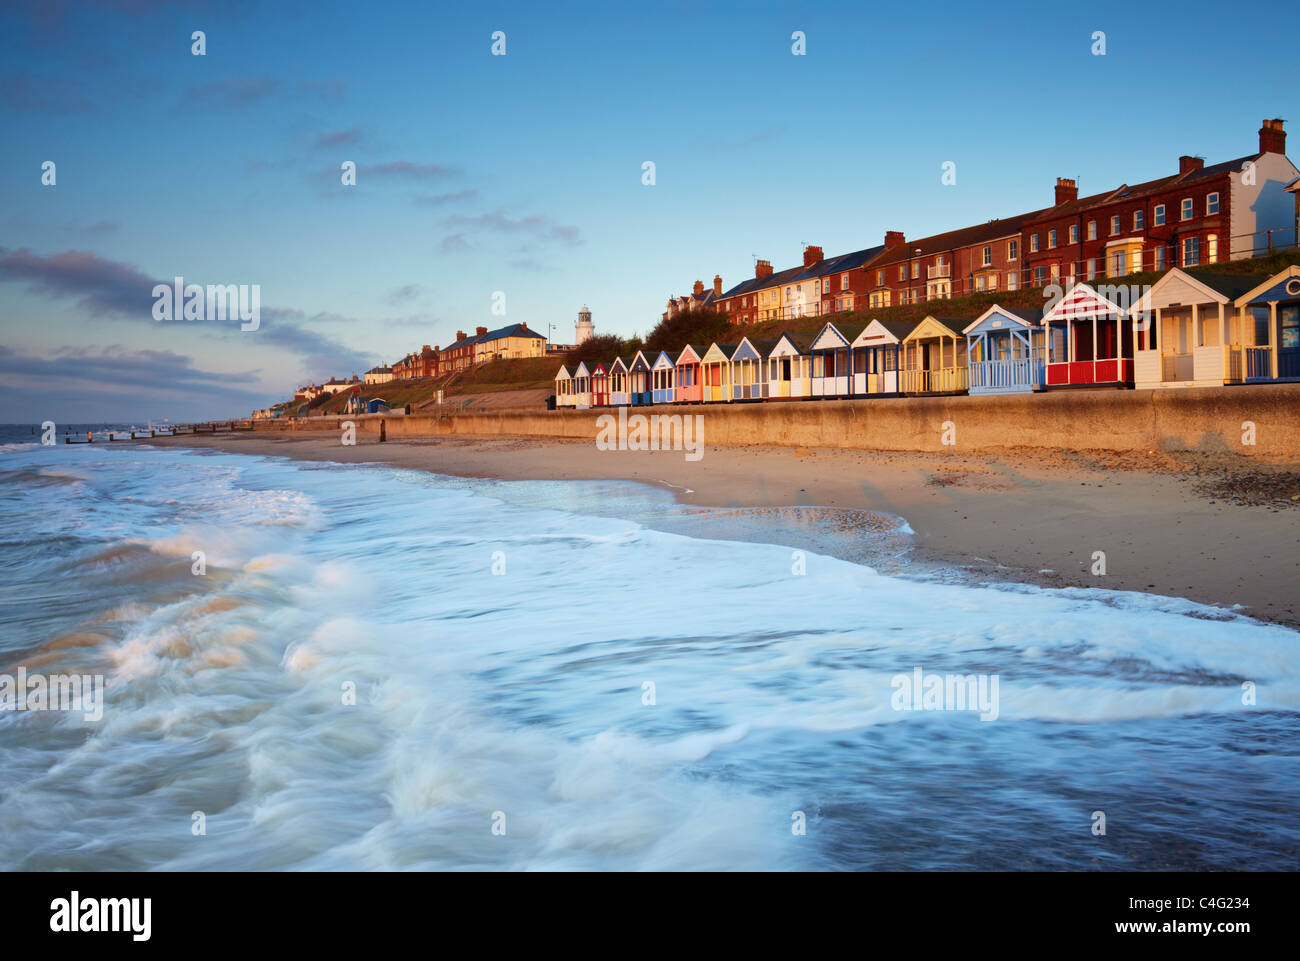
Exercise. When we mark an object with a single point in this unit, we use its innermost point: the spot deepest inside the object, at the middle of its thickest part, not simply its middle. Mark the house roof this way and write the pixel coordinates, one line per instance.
(514, 330)
(463, 342)
(953, 239)
(1126, 192)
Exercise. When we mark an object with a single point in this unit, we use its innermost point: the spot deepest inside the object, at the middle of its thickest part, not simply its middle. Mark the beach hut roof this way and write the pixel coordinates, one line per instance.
(932, 326)
(1177, 286)
(799, 342)
(1081, 302)
(695, 351)
(618, 362)
(1022, 316)
(564, 373)
(666, 360)
(1284, 285)
(582, 371)
(896, 330)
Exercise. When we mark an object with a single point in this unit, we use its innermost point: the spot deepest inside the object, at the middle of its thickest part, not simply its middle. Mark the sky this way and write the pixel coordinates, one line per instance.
(522, 174)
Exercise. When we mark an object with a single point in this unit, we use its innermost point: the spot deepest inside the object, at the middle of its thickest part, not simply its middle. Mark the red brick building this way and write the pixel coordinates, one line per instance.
(1200, 215)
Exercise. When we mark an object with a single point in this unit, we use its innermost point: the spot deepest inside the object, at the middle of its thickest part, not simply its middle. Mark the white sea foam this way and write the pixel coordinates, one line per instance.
(524, 693)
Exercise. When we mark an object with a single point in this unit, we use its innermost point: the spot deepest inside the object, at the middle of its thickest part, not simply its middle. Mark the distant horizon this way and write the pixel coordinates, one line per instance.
(520, 174)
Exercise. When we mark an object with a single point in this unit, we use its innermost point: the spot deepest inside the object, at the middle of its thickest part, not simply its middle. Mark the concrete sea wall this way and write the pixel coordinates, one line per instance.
(1214, 419)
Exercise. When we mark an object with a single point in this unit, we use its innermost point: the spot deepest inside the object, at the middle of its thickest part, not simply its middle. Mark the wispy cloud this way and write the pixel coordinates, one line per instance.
(232, 93)
(110, 287)
(338, 138)
(410, 170)
(30, 93)
(404, 294)
(442, 200)
(538, 228)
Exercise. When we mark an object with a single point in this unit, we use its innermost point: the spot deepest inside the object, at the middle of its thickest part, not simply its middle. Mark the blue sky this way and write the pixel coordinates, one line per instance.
(522, 173)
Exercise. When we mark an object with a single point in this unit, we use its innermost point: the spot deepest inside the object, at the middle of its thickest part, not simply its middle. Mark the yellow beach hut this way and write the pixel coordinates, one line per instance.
(715, 373)
(934, 356)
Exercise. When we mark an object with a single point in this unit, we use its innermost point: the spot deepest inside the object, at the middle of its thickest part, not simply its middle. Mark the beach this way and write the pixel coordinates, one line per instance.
(1215, 528)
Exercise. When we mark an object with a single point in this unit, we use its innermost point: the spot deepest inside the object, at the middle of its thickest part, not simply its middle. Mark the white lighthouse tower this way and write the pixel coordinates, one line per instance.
(583, 329)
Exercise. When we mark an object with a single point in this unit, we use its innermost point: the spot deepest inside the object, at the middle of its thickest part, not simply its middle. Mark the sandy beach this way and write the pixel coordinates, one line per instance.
(1218, 529)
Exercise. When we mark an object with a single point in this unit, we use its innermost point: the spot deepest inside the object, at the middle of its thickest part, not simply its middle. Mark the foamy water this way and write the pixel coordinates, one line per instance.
(518, 698)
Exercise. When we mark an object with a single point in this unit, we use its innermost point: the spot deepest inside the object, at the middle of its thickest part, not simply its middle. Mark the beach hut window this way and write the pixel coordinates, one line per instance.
(1056, 347)
(1288, 326)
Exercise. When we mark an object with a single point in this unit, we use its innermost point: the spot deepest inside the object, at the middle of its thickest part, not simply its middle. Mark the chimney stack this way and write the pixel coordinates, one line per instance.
(480, 331)
(763, 269)
(1188, 164)
(698, 288)
(1066, 190)
(460, 335)
(811, 255)
(523, 325)
(717, 285)
(894, 238)
(1272, 138)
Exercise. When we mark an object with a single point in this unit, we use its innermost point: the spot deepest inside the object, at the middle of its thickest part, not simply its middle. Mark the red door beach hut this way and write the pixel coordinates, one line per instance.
(599, 385)
(1089, 341)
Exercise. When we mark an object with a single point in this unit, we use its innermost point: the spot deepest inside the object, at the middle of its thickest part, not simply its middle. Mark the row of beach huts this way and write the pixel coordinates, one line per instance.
(1184, 330)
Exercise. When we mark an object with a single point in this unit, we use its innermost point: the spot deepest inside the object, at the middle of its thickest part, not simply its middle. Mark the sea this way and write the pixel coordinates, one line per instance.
(316, 666)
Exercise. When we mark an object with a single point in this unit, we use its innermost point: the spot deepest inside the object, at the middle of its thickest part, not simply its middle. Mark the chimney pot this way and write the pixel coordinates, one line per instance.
(811, 255)
(763, 269)
(717, 285)
(1066, 190)
(1272, 138)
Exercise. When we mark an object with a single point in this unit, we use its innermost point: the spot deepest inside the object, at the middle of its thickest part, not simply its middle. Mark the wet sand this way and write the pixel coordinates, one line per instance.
(1220, 529)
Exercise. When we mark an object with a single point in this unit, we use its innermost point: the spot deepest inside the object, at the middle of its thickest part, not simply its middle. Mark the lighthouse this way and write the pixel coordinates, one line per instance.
(583, 329)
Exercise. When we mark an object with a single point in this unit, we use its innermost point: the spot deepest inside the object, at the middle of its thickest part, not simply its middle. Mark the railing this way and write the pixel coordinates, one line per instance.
(940, 270)
(1175, 367)
(929, 381)
(1259, 361)
(991, 374)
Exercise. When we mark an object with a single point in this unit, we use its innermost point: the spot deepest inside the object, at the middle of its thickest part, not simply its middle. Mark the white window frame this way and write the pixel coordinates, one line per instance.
(1116, 224)
(1092, 230)
(1186, 209)
(1212, 203)
(1158, 216)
